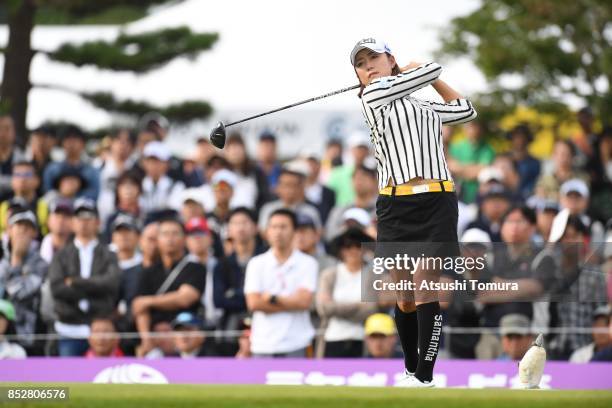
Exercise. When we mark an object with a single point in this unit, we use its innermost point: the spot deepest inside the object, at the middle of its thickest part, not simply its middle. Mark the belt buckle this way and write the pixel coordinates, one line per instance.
(423, 188)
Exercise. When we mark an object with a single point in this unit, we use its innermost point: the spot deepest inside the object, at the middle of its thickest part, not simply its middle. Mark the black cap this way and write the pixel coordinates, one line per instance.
(267, 135)
(305, 221)
(125, 221)
(61, 205)
(23, 216)
(85, 205)
(496, 191)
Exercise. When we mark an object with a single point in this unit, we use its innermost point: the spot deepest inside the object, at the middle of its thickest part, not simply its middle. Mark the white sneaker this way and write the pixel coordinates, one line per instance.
(410, 381)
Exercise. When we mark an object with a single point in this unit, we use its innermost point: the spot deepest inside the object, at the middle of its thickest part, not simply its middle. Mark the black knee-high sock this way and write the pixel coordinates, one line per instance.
(407, 329)
(430, 331)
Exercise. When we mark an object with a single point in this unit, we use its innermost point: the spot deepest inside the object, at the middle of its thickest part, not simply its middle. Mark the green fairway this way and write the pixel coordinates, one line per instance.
(120, 396)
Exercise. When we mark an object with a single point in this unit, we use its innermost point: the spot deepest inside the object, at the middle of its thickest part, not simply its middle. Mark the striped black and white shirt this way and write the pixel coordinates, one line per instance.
(407, 132)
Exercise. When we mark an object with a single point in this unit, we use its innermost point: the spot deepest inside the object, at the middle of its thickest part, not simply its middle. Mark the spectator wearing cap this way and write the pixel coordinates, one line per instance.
(267, 158)
(291, 195)
(24, 184)
(229, 274)
(545, 214)
(517, 261)
(189, 338)
(41, 143)
(338, 299)
(321, 196)
(68, 184)
(172, 285)
(580, 286)
(279, 288)
(199, 242)
(252, 187)
(118, 161)
(8, 350)
(470, 155)
(516, 336)
(85, 279)
(493, 204)
(560, 170)
(366, 192)
(194, 165)
(308, 240)
(381, 337)
(153, 126)
(575, 195)
(9, 154)
(128, 188)
(22, 272)
(59, 225)
(103, 339)
(223, 184)
(340, 178)
(73, 144)
(332, 157)
(159, 190)
(125, 235)
(528, 166)
(601, 337)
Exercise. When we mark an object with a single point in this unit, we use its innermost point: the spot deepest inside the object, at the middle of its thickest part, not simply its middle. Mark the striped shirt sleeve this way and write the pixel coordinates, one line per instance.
(386, 89)
(455, 111)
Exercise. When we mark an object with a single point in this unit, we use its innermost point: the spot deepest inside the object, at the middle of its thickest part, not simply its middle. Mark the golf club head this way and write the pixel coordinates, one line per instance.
(217, 135)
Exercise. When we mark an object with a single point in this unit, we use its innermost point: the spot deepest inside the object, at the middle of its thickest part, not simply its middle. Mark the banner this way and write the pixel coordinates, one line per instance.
(351, 372)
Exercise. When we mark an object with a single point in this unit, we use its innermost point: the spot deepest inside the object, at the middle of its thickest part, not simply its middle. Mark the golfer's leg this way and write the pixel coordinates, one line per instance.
(429, 327)
(407, 326)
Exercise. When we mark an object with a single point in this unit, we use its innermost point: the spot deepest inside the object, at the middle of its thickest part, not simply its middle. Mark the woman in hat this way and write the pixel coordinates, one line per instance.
(338, 299)
(417, 200)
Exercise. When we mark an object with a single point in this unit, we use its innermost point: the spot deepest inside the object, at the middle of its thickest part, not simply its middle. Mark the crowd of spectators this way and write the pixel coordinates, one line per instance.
(128, 250)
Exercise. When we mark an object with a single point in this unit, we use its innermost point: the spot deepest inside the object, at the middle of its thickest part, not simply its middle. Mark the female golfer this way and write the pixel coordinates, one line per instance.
(417, 201)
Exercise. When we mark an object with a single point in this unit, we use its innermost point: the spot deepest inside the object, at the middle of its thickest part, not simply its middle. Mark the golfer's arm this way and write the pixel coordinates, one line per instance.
(445, 91)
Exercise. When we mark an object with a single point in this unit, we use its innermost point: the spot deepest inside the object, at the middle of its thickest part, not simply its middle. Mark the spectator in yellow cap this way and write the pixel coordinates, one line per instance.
(381, 337)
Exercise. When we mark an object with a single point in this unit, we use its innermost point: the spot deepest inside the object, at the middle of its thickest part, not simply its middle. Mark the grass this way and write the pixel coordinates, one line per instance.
(222, 396)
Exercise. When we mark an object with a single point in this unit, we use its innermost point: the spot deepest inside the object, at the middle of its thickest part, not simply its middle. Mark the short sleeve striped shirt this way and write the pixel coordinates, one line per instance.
(407, 132)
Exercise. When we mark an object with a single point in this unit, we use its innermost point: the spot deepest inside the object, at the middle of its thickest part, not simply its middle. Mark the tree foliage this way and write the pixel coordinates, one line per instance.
(551, 49)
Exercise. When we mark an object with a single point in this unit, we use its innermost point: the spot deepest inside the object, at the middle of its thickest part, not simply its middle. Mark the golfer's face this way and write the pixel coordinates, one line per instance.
(370, 65)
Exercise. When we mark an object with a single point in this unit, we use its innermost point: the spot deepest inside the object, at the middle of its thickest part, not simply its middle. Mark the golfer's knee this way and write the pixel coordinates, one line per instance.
(405, 306)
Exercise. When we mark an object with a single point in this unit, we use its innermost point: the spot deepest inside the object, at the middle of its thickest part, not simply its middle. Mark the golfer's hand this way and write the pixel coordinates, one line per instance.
(411, 66)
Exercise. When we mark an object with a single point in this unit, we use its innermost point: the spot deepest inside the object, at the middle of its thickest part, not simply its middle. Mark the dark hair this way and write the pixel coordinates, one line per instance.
(286, 213)
(527, 213)
(220, 160)
(247, 166)
(243, 210)
(365, 169)
(395, 70)
(569, 145)
(575, 222)
(114, 134)
(73, 131)
(173, 219)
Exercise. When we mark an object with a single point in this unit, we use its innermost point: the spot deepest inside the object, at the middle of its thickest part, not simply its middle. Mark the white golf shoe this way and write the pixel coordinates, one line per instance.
(410, 381)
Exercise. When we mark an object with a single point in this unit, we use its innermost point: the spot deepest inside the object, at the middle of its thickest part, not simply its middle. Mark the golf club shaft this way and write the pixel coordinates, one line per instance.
(295, 104)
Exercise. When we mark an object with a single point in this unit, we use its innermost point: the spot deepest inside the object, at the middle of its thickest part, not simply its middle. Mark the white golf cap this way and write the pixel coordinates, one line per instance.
(476, 236)
(156, 150)
(558, 225)
(358, 138)
(298, 166)
(574, 186)
(371, 44)
(226, 176)
(357, 214)
(490, 174)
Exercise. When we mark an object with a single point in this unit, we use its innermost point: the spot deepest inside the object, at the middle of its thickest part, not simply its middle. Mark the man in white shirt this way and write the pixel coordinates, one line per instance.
(279, 288)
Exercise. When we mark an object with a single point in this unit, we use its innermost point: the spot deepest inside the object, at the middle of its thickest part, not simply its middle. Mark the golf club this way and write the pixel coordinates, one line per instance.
(217, 135)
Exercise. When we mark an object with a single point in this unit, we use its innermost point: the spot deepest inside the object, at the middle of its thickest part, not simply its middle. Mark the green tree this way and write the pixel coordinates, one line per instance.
(138, 53)
(554, 48)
